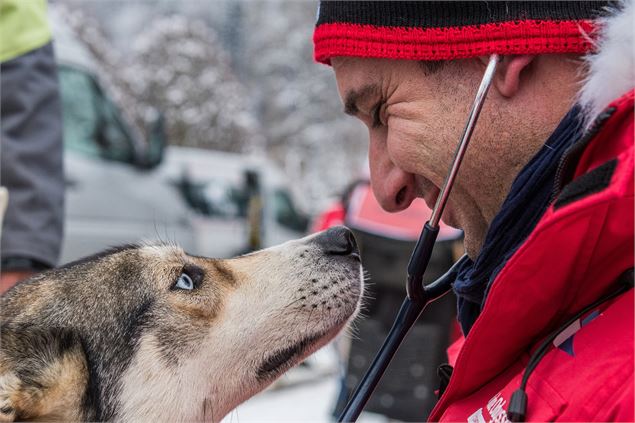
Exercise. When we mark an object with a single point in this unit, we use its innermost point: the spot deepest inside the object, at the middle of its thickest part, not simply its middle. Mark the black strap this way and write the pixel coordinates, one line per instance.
(518, 403)
(444, 372)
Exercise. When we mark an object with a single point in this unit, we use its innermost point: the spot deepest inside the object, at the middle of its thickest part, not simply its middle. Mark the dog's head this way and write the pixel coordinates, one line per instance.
(151, 332)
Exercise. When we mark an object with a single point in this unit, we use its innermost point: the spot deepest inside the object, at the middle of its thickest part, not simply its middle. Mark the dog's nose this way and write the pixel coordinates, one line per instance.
(337, 241)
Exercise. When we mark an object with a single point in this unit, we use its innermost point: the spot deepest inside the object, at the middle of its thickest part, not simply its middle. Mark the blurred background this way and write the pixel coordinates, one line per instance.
(207, 123)
(196, 94)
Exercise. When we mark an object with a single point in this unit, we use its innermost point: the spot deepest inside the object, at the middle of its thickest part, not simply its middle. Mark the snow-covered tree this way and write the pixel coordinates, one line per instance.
(179, 67)
(106, 61)
(298, 104)
(171, 63)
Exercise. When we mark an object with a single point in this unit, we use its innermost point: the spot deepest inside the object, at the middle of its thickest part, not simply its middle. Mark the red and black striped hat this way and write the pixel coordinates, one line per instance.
(429, 30)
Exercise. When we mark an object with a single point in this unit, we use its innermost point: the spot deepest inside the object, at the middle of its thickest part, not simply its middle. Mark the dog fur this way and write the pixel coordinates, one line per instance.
(111, 337)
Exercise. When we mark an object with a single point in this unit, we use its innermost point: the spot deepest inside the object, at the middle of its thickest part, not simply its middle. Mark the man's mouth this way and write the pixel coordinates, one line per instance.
(430, 195)
(427, 191)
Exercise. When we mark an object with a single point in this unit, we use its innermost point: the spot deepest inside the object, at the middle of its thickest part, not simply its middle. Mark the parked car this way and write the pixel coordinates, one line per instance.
(216, 185)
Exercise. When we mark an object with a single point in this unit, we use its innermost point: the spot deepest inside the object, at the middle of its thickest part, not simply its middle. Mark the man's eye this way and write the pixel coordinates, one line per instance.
(376, 115)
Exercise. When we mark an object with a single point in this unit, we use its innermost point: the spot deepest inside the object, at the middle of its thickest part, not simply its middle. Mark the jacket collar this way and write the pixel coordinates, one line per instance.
(614, 62)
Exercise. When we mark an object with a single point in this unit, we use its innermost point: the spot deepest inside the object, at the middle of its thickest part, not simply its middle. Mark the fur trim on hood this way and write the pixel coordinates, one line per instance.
(611, 71)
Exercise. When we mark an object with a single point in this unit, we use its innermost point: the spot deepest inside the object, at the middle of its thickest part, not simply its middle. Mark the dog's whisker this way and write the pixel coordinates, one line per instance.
(351, 333)
(306, 329)
(156, 229)
(293, 302)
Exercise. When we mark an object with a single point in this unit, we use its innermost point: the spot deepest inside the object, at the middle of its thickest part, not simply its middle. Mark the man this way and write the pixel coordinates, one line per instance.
(31, 143)
(544, 195)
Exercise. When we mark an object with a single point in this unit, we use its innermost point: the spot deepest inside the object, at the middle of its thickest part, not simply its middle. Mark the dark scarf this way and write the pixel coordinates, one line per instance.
(526, 202)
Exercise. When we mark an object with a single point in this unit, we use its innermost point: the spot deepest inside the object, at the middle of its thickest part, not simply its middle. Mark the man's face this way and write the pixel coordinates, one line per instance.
(416, 117)
(414, 120)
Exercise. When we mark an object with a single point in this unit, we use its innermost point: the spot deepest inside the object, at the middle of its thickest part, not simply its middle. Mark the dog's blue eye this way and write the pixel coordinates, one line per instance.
(184, 282)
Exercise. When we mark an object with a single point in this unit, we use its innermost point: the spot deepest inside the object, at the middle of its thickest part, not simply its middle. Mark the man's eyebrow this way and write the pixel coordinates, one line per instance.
(355, 97)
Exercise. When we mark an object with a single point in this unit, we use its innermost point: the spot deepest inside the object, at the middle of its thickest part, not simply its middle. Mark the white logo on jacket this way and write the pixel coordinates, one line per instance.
(495, 408)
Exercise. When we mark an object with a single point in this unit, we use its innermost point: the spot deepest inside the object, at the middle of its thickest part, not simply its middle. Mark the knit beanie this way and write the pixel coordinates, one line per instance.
(445, 30)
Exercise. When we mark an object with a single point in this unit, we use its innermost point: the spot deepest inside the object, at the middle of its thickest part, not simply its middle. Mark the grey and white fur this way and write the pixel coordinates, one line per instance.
(120, 336)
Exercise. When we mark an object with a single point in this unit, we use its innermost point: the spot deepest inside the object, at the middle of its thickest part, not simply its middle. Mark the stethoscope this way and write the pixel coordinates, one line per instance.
(419, 296)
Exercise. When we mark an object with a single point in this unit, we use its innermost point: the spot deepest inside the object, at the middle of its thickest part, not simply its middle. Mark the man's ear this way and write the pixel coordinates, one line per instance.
(508, 74)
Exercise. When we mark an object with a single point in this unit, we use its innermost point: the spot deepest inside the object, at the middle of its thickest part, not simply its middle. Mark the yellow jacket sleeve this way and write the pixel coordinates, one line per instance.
(23, 27)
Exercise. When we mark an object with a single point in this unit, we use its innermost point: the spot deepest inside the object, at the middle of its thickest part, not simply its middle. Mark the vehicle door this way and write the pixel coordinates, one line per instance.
(109, 199)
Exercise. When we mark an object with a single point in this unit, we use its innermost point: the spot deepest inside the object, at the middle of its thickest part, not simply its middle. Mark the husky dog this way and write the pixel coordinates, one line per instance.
(150, 333)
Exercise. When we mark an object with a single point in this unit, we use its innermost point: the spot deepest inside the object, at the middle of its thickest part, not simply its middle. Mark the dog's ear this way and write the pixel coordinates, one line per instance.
(43, 374)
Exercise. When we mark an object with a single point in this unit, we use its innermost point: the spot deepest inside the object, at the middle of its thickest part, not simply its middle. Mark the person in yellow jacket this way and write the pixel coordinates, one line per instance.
(31, 149)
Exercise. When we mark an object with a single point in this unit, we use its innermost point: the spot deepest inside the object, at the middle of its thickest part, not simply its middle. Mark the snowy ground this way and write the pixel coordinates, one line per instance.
(310, 402)
(303, 395)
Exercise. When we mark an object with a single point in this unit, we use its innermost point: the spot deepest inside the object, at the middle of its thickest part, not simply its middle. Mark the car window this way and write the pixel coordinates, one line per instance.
(92, 124)
(286, 213)
(214, 198)
(225, 200)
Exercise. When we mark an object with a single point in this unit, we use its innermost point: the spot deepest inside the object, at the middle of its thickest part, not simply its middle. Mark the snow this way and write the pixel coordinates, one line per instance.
(305, 395)
(311, 402)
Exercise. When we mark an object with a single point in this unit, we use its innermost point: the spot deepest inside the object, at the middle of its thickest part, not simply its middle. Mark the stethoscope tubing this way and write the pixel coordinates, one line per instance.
(408, 314)
(475, 111)
(419, 296)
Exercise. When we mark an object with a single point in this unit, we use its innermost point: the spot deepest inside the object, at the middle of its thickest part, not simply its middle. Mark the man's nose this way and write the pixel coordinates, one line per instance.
(393, 187)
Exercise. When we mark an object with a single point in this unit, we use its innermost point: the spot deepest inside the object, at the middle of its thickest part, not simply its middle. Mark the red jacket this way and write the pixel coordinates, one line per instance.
(573, 257)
